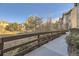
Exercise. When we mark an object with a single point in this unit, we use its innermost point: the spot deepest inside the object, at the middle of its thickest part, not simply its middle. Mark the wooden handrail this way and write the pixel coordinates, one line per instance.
(10, 38)
(17, 37)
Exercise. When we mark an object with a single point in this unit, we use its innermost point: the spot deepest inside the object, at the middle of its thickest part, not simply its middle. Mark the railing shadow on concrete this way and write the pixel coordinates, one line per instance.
(26, 47)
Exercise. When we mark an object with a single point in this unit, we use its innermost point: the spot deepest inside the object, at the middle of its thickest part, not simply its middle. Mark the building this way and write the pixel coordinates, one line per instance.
(64, 21)
(21, 27)
(67, 20)
(70, 19)
(75, 16)
(61, 23)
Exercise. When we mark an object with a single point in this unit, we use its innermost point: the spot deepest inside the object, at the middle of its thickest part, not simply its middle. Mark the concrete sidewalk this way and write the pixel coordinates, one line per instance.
(57, 47)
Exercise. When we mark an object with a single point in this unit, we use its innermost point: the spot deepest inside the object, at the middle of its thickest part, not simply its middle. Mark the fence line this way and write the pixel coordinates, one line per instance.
(28, 46)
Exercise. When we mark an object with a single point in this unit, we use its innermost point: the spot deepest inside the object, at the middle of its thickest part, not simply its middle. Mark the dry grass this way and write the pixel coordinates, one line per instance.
(5, 32)
(73, 40)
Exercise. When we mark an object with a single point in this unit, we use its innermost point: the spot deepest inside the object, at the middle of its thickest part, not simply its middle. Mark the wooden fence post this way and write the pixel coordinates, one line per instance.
(1, 46)
(51, 36)
(38, 41)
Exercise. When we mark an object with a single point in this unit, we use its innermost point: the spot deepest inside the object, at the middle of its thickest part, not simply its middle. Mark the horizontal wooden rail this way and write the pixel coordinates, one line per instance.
(37, 42)
(10, 38)
(12, 48)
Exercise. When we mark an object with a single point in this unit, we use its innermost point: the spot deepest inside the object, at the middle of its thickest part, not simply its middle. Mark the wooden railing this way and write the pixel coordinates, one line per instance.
(30, 45)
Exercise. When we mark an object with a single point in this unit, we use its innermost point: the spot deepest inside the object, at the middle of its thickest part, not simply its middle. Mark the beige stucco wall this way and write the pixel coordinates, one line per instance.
(65, 20)
(74, 18)
(78, 16)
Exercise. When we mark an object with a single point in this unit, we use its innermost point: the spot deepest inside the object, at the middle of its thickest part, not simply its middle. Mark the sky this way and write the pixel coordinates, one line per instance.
(19, 12)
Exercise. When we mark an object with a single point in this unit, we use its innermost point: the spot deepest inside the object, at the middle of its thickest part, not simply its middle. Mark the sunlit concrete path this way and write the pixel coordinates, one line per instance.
(57, 47)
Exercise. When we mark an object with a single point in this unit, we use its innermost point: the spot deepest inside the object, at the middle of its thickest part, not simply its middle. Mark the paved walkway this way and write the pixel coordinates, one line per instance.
(57, 47)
